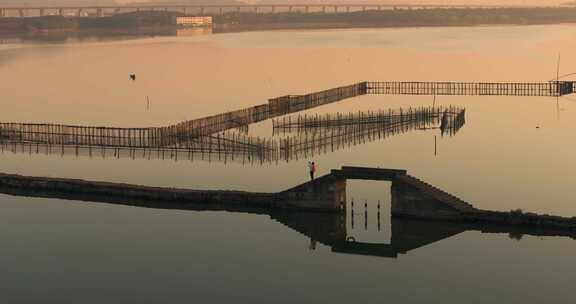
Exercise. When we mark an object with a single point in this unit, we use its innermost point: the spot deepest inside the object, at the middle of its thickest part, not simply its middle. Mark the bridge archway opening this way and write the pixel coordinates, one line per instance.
(368, 210)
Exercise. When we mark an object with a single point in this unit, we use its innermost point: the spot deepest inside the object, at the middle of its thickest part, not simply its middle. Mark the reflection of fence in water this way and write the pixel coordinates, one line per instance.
(323, 134)
(225, 147)
(54, 134)
(306, 123)
(452, 121)
(173, 135)
(275, 107)
(314, 135)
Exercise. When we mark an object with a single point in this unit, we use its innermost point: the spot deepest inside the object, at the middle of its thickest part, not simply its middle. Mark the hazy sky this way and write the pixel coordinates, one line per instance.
(488, 2)
(491, 2)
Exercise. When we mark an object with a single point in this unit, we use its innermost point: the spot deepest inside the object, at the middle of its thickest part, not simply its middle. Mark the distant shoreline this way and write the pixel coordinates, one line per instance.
(171, 31)
(339, 26)
(408, 18)
(162, 23)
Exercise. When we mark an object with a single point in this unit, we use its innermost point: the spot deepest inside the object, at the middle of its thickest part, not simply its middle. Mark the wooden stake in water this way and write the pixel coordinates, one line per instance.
(435, 146)
(558, 87)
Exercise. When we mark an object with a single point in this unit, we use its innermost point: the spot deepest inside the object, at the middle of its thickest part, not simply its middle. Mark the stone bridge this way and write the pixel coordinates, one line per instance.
(411, 197)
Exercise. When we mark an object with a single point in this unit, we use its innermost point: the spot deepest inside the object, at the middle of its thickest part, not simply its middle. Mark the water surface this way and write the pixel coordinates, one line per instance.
(499, 160)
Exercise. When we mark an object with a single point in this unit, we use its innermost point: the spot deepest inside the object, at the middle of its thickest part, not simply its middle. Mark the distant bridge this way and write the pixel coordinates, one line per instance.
(101, 11)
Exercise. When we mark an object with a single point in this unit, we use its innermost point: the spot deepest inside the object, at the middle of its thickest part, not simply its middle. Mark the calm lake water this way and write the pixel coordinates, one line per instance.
(513, 152)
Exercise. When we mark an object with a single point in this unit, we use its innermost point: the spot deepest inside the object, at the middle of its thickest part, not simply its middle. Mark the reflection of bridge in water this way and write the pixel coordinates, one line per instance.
(409, 195)
(406, 235)
(315, 135)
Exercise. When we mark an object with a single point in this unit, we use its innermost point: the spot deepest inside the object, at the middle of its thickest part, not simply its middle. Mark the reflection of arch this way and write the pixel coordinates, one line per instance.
(406, 235)
(326, 228)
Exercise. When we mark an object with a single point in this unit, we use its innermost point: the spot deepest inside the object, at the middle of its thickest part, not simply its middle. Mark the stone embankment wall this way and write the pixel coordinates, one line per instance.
(411, 197)
(62, 188)
(319, 196)
(414, 198)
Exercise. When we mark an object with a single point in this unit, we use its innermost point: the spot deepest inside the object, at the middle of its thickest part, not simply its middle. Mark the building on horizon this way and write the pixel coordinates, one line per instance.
(194, 21)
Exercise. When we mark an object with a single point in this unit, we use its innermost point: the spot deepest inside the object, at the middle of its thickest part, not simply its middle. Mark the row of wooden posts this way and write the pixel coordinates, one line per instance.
(323, 134)
(262, 150)
(175, 135)
(312, 123)
(315, 135)
(550, 89)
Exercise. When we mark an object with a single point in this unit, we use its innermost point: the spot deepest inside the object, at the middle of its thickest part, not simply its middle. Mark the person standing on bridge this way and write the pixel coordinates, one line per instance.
(312, 168)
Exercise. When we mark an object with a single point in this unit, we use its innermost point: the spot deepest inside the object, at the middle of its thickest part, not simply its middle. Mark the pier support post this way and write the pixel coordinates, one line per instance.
(2, 13)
